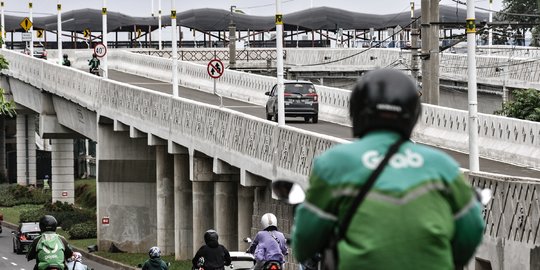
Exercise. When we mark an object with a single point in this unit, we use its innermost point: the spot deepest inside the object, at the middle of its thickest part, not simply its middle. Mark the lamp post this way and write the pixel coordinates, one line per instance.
(279, 54)
(31, 30)
(174, 49)
(490, 35)
(472, 95)
(104, 38)
(59, 31)
(160, 46)
(3, 26)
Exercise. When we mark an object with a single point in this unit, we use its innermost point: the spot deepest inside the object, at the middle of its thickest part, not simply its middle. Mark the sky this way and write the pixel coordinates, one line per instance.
(253, 7)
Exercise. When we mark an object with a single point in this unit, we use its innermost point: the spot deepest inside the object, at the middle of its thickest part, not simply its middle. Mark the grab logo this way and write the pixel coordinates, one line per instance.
(409, 159)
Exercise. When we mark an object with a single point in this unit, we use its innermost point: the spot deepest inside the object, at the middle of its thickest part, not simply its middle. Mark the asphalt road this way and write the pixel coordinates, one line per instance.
(11, 261)
(322, 127)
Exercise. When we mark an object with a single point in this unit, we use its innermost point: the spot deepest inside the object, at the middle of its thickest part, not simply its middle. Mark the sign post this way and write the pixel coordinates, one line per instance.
(215, 69)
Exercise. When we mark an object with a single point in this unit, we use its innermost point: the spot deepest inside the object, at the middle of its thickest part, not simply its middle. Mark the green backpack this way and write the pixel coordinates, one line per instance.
(50, 251)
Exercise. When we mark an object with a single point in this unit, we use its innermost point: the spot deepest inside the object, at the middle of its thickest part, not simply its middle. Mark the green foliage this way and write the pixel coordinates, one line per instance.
(85, 195)
(525, 105)
(11, 195)
(31, 215)
(4, 64)
(514, 11)
(83, 230)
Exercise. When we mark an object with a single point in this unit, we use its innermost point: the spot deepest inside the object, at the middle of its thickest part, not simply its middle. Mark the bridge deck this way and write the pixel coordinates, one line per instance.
(322, 127)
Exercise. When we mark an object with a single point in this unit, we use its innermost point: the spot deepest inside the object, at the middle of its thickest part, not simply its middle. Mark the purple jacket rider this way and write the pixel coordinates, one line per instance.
(269, 244)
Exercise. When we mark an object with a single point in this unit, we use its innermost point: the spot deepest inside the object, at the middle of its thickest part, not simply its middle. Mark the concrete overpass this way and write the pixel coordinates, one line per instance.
(211, 166)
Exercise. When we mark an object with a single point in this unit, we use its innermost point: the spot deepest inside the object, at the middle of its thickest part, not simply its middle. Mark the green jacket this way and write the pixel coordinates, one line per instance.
(420, 214)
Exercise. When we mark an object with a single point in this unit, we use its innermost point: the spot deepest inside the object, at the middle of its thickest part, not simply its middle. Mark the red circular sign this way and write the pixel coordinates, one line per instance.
(100, 50)
(215, 68)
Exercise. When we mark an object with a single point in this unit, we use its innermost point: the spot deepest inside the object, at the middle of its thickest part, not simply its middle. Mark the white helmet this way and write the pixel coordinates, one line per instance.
(268, 220)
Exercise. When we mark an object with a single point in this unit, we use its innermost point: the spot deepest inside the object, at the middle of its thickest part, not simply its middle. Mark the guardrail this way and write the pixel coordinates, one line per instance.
(500, 138)
(238, 139)
(207, 54)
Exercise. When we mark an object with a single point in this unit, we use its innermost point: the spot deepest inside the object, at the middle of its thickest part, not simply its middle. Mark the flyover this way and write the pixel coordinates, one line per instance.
(202, 162)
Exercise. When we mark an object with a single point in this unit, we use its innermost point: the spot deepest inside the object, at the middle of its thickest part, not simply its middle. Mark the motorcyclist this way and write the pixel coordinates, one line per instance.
(66, 61)
(75, 262)
(154, 262)
(215, 256)
(49, 249)
(419, 214)
(269, 243)
(94, 64)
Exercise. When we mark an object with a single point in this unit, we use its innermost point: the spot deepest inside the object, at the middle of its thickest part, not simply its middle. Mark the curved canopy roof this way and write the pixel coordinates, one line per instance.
(208, 19)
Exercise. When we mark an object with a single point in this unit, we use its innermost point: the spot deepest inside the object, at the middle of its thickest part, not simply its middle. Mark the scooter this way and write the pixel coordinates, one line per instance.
(268, 265)
(95, 71)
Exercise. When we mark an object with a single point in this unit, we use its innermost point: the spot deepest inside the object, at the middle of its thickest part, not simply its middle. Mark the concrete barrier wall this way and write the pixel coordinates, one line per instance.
(500, 138)
(250, 143)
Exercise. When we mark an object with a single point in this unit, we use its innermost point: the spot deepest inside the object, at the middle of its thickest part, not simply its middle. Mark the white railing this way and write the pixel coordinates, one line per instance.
(241, 140)
(500, 138)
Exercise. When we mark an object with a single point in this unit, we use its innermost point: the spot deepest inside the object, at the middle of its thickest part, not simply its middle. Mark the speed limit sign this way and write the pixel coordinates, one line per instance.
(100, 50)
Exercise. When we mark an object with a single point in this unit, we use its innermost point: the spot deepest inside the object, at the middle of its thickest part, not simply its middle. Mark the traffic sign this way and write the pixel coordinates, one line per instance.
(105, 220)
(139, 32)
(64, 193)
(26, 24)
(215, 68)
(87, 33)
(100, 50)
(39, 33)
(26, 36)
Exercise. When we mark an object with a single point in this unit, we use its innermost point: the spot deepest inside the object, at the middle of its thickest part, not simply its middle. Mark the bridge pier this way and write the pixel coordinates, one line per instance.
(62, 178)
(183, 204)
(202, 179)
(126, 186)
(225, 212)
(26, 149)
(165, 200)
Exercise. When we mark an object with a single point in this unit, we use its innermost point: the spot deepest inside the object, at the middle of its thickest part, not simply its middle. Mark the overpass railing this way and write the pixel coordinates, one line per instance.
(244, 141)
(500, 138)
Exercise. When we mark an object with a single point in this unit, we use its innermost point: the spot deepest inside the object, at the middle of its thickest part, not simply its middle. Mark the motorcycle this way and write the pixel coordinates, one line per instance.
(95, 71)
(267, 265)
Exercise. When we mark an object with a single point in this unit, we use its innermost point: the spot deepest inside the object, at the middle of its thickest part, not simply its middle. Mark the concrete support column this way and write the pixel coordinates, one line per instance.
(245, 203)
(26, 149)
(203, 211)
(183, 209)
(126, 187)
(225, 213)
(165, 200)
(62, 178)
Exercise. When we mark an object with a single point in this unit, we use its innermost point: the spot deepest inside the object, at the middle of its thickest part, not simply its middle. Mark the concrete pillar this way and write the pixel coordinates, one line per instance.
(165, 200)
(225, 213)
(126, 186)
(26, 149)
(63, 174)
(245, 202)
(203, 211)
(183, 209)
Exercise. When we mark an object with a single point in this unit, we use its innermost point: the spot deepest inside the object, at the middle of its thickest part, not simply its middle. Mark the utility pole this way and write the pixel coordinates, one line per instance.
(3, 26)
(414, 44)
(430, 52)
(490, 35)
(31, 30)
(472, 95)
(59, 31)
(104, 39)
(279, 55)
(232, 40)
(160, 46)
(174, 49)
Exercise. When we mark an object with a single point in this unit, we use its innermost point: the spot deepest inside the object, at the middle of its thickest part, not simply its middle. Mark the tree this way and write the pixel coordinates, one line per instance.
(525, 105)
(519, 9)
(7, 109)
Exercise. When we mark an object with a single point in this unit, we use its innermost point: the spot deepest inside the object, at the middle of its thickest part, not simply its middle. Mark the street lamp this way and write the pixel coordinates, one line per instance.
(3, 26)
(104, 39)
(31, 30)
(160, 46)
(174, 49)
(59, 31)
(279, 54)
(472, 95)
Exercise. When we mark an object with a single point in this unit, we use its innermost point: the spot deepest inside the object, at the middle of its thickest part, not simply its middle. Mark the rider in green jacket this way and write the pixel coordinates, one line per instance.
(420, 213)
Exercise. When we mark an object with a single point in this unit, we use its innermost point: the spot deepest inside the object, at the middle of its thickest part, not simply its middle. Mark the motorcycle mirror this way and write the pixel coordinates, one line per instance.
(288, 191)
(484, 195)
(247, 240)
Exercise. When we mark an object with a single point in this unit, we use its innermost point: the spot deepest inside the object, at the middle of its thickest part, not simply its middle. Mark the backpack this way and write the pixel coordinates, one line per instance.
(50, 251)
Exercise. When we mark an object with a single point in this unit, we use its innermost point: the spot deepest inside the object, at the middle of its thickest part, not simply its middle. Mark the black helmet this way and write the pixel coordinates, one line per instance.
(384, 99)
(47, 223)
(211, 237)
(65, 56)
(94, 55)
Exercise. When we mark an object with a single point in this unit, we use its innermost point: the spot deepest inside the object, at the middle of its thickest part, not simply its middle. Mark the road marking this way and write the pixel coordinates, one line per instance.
(4, 258)
(14, 264)
(247, 106)
(149, 83)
